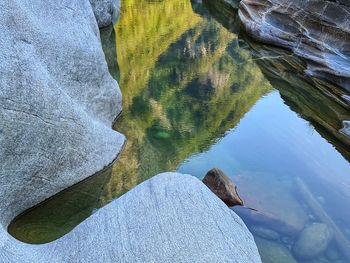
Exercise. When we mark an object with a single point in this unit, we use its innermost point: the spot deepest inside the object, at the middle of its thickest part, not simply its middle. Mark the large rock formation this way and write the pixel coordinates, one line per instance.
(316, 30)
(169, 218)
(57, 101)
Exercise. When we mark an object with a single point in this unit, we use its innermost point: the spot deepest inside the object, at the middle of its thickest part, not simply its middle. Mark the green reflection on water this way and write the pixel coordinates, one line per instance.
(185, 82)
(188, 78)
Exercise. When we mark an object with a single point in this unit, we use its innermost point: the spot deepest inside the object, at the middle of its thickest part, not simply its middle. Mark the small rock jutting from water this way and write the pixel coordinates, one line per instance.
(223, 187)
(312, 241)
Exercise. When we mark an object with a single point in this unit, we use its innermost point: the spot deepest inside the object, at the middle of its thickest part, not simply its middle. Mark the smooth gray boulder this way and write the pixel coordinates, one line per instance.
(57, 101)
(106, 11)
(169, 218)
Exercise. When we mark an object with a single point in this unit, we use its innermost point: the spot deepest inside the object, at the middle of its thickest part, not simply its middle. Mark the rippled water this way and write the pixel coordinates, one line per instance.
(199, 94)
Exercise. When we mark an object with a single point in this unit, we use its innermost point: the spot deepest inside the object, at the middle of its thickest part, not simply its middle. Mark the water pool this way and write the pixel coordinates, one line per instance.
(199, 94)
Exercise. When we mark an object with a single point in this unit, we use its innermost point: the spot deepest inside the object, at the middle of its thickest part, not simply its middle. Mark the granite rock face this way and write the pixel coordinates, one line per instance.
(57, 101)
(316, 30)
(106, 11)
(169, 218)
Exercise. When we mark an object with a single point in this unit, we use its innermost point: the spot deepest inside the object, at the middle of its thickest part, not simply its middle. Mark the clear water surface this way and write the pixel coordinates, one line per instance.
(199, 94)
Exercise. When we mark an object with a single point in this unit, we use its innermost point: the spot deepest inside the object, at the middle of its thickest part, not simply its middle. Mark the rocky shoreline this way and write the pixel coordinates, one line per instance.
(317, 31)
(168, 218)
(58, 103)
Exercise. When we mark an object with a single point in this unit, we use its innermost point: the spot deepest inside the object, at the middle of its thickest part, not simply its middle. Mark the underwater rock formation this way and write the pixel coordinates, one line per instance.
(273, 252)
(275, 208)
(312, 241)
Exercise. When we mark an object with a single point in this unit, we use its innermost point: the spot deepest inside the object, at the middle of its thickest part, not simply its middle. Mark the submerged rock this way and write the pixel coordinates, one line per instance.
(275, 203)
(316, 30)
(272, 252)
(169, 218)
(321, 260)
(223, 187)
(264, 232)
(332, 254)
(287, 240)
(312, 241)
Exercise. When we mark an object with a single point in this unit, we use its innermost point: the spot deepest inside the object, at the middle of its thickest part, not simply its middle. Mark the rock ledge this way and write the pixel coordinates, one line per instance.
(169, 218)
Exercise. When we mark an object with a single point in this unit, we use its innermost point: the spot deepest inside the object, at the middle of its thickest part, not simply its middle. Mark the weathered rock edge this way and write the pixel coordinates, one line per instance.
(57, 101)
(169, 218)
(316, 30)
